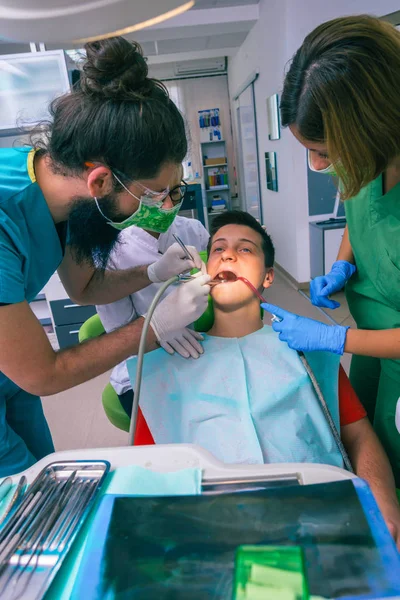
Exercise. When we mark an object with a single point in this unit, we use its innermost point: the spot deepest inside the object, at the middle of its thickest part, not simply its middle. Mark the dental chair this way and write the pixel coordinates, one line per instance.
(92, 328)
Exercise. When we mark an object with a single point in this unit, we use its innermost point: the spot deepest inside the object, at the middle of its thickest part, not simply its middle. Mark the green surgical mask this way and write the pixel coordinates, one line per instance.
(150, 215)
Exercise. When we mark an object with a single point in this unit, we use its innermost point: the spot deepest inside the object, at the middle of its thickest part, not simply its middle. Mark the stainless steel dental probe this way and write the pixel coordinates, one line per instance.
(182, 245)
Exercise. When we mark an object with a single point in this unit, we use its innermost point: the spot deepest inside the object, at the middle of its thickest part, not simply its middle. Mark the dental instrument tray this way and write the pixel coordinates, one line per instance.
(35, 540)
(184, 547)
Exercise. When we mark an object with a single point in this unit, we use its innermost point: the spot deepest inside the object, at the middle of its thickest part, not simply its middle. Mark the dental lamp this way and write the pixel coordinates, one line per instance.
(80, 21)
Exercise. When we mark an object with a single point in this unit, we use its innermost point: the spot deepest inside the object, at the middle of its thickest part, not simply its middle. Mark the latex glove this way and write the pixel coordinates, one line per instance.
(181, 307)
(173, 262)
(305, 334)
(185, 342)
(335, 280)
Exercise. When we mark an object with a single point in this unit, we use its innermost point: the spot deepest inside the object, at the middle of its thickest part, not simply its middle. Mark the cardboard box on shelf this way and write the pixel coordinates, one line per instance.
(215, 161)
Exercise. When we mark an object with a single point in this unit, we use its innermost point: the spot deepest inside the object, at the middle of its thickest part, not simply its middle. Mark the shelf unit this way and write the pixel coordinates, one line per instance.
(213, 150)
(212, 166)
(218, 188)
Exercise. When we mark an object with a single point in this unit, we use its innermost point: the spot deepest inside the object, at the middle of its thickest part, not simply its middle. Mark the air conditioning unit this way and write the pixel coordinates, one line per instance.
(201, 67)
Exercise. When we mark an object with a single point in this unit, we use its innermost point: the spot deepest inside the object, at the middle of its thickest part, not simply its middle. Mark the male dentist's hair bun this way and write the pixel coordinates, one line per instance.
(116, 69)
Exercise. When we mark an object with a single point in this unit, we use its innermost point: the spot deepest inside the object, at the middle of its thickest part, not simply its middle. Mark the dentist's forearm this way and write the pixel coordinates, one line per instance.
(110, 286)
(380, 343)
(86, 285)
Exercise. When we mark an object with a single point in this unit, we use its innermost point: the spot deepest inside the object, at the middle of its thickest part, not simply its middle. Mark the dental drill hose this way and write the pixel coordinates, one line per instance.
(326, 412)
(140, 355)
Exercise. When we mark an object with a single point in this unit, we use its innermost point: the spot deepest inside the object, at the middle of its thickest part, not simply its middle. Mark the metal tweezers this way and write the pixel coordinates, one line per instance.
(182, 245)
(186, 276)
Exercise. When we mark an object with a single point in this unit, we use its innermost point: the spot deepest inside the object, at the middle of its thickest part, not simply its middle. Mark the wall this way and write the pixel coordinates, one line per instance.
(200, 94)
(280, 30)
(13, 48)
(194, 94)
(13, 141)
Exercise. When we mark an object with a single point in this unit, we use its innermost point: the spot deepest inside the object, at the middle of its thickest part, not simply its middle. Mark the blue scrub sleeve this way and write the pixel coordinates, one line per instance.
(12, 289)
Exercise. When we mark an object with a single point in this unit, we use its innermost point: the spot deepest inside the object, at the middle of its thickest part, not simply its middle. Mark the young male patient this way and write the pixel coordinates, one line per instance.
(249, 398)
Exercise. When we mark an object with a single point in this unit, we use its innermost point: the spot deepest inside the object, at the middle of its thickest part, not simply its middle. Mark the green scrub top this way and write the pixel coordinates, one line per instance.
(373, 293)
(30, 248)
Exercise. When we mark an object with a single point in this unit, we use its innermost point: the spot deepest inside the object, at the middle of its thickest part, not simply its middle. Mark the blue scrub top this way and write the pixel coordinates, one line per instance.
(30, 248)
(30, 252)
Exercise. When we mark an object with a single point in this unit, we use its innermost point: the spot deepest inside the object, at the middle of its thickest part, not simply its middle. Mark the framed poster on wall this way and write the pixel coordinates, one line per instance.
(248, 153)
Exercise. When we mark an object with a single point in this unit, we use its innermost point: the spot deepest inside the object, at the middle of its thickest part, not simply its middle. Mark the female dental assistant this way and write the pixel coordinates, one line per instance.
(110, 151)
(341, 101)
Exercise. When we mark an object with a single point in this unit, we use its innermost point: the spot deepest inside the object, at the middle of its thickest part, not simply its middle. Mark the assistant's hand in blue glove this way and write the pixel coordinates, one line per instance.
(335, 280)
(305, 334)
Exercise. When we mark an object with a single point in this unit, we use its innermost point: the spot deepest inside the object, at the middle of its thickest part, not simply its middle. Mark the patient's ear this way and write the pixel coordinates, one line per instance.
(269, 278)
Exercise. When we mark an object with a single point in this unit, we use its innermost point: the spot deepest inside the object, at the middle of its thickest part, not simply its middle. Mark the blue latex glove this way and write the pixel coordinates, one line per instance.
(335, 280)
(305, 334)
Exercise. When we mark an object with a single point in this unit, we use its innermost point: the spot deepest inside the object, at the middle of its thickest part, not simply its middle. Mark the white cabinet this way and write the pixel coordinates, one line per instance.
(325, 240)
(66, 316)
(333, 239)
(28, 83)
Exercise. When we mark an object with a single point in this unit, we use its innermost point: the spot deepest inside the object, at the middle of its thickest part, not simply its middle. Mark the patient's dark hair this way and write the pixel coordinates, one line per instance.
(240, 217)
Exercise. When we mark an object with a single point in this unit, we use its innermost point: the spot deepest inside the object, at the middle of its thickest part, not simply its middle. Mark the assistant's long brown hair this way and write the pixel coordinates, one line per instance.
(343, 89)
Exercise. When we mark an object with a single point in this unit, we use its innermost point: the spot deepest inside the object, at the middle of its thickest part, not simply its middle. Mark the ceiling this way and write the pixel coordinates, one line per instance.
(194, 44)
(393, 18)
(213, 28)
(221, 3)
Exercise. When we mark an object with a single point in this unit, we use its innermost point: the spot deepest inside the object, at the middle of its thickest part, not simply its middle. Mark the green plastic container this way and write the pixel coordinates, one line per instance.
(270, 573)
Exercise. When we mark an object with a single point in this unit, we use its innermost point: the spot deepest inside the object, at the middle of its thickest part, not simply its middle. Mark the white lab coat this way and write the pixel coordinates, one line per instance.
(137, 248)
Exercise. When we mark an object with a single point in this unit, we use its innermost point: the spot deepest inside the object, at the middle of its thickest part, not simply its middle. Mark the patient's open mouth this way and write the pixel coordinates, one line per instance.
(224, 277)
(229, 277)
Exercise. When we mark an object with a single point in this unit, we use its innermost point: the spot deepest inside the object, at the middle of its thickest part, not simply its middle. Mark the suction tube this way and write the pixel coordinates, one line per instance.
(140, 355)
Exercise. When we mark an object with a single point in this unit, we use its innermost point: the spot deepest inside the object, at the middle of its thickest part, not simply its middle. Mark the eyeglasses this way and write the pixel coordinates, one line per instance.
(177, 193)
